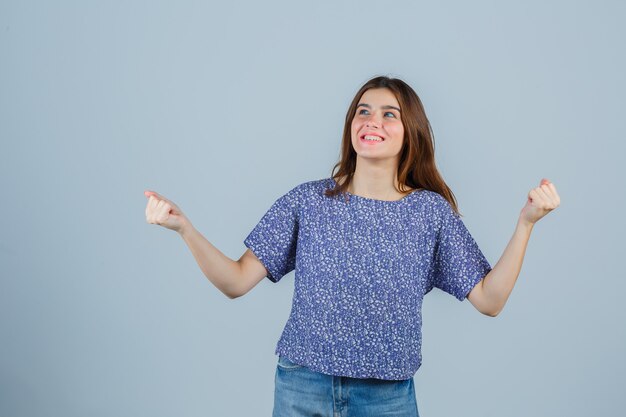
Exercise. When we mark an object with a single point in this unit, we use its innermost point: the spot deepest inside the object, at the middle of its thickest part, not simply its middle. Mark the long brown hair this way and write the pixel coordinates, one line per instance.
(416, 167)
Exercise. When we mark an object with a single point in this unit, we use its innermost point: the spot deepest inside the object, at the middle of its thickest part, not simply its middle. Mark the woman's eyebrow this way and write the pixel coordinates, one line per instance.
(382, 107)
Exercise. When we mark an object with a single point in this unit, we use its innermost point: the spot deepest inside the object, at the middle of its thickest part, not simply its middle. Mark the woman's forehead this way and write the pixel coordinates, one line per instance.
(379, 96)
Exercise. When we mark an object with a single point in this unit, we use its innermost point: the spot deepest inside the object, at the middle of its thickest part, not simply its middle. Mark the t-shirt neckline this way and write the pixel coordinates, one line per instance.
(374, 200)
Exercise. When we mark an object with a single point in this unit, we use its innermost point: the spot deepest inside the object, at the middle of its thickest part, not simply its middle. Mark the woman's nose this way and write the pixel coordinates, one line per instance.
(374, 120)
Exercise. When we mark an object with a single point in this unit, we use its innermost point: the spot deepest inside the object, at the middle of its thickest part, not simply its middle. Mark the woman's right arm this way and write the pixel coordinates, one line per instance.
(233, 278)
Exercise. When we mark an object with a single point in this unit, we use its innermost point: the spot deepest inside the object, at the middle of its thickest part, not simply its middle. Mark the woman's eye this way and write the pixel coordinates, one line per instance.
(364, 111)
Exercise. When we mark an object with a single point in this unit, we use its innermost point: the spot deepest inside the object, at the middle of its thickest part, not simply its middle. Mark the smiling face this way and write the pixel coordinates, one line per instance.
(377, 130)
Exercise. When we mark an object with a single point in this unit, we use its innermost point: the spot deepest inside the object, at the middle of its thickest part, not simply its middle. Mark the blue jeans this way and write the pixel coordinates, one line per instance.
(300, 391)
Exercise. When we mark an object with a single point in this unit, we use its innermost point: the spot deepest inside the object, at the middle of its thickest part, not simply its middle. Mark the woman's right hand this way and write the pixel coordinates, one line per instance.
(164, 212)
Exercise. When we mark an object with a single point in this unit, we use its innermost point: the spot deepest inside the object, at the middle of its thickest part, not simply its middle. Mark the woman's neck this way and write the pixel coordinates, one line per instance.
(375, 182)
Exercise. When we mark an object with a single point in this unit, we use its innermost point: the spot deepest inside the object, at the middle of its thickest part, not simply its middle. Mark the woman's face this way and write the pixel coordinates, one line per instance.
(378, 115)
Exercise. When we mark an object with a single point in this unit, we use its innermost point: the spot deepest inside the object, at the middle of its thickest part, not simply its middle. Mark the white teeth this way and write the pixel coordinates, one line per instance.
(369, 137)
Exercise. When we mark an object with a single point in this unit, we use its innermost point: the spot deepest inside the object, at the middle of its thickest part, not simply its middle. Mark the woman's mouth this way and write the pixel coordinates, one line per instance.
(371, 139)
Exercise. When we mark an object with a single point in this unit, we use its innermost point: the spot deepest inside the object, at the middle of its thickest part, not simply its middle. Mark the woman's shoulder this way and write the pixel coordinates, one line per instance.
(313, 185)
(430, 202)
(433, 196)
(308, 189)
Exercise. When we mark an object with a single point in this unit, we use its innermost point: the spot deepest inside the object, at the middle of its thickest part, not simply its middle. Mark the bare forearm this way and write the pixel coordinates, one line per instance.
(498, 283)
(222, 271)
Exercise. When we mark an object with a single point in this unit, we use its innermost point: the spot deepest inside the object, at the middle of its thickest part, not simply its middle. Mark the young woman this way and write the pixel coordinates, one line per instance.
(366, 244)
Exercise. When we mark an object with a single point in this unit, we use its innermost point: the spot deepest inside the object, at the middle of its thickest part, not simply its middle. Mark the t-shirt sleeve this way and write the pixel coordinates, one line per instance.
(273, 240)
(459, 263)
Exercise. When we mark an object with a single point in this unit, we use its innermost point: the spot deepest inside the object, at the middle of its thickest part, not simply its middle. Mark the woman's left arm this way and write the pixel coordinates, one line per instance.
(490, 294)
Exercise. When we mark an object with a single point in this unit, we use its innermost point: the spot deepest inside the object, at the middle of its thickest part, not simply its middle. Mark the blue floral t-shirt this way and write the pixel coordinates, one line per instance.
(362, 268)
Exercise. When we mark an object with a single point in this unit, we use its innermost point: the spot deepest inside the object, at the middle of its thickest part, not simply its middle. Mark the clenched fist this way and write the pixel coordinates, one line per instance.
(164, 212)
(541, 201)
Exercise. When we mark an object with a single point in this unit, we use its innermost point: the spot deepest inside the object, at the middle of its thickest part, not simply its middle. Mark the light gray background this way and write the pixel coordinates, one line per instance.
(223, 107)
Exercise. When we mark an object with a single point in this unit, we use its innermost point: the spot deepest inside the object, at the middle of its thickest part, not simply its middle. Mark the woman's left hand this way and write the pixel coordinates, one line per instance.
(541, 201)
